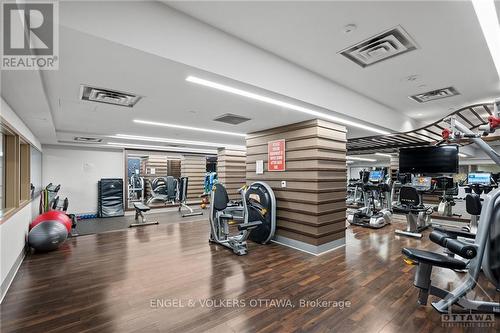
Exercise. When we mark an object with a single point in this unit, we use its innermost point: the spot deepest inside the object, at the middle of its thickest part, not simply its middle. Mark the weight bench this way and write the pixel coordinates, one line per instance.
(140, 208)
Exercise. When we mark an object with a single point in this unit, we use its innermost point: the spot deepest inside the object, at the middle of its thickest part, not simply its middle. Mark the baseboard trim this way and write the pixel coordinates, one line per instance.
(12, 274)
(315, 250)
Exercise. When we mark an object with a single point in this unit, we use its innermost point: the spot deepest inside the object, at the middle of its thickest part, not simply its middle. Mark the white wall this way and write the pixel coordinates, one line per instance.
(78, 169)
(14, 230)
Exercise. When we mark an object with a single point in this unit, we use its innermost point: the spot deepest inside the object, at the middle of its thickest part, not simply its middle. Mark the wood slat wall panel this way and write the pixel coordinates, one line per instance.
(298, 155)
(312, 207)
(313, 230)
(310, 219)
(194, 167)
(304, 185)
(231, 170)
(313, 240)
(324, 165)
(394, 166)
(305, 145)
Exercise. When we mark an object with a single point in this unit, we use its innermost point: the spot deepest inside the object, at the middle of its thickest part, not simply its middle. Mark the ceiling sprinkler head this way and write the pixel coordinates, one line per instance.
(412, 78)
(349, 28)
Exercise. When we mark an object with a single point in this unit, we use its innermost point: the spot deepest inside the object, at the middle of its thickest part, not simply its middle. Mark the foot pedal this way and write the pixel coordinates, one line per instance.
(249, 225)
(141, 224)
(192, 214)
(408, 233)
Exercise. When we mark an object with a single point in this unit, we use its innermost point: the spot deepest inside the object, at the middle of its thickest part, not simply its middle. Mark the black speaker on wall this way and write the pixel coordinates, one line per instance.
(110, 197)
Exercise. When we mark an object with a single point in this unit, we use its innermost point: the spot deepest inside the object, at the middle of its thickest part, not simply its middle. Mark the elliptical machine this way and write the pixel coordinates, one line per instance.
(255, 218)
(355, 189)
(377, 210)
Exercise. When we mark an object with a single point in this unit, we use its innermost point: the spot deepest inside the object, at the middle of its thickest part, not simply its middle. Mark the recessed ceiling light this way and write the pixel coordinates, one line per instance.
(151, 147)
(154, 123)
(286, 105)
(176, 141)
(381, 154)
(354, 158)
(488, 19)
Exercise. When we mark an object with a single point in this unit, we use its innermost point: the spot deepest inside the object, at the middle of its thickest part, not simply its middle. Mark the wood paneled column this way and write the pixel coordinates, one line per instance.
(231, 170)
(311, 209)
(194, 167)
(394, 166)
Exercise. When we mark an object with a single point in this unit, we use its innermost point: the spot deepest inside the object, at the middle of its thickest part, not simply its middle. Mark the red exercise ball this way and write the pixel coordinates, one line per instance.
(52, 215)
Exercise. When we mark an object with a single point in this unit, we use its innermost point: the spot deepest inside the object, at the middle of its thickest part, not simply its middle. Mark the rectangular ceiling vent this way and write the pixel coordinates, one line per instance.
(86, 139)
(108, 96)
(232, 119)
(380, 47)
(435, 94)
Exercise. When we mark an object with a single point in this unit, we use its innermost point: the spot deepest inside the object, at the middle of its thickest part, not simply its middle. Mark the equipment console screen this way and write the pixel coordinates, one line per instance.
(376, 176)
(479, 178)
(422, 183)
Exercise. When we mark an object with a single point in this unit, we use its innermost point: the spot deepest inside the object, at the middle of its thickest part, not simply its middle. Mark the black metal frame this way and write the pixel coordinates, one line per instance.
(473, 116)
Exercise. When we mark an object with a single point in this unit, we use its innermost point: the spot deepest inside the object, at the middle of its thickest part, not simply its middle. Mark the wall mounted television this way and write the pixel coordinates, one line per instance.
(429, 160)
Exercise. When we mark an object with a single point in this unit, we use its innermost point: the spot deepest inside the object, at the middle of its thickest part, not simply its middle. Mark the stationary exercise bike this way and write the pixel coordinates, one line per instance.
(254, 219)
(450, 190)
(410, 203)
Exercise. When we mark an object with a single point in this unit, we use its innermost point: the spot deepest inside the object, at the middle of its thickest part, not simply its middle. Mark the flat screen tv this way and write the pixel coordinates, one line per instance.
(429, 160)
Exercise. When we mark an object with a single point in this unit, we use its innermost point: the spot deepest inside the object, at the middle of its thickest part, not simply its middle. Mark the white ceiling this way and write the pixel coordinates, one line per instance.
(452, 50)
(168, 98)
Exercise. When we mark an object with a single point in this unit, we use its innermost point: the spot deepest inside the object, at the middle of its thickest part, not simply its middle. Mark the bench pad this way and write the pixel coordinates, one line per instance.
(139, 206)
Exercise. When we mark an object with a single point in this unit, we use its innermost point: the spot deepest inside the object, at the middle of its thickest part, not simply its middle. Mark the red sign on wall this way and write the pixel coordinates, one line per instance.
(276, 155)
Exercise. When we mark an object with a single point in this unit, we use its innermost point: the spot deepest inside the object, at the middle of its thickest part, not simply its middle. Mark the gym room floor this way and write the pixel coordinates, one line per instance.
(168, 215)
(107, 282)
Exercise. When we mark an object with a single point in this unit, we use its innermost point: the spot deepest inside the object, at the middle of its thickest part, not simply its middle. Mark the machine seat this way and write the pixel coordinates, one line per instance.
(473, 204)
(140, 207)
(432, 258)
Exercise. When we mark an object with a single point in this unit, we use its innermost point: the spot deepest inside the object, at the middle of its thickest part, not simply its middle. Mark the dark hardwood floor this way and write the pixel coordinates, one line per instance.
(117, 281)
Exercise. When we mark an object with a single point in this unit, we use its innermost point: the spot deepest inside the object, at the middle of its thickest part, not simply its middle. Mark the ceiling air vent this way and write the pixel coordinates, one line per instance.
(380, 47)
(85, 139)
(435, 94)
(108, 96)
(232, 119)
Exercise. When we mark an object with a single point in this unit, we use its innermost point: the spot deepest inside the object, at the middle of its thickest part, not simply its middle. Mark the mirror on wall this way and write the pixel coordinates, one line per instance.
(2, 201)
(147, 172)
(35, 172)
